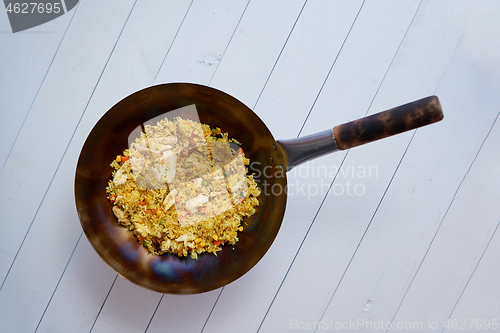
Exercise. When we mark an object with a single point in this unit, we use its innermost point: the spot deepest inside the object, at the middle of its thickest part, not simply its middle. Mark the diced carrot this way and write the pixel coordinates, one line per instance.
(140, 238)
(217, 242)
(124, 158)
(143, 203)
(148, 211)
(112, 198)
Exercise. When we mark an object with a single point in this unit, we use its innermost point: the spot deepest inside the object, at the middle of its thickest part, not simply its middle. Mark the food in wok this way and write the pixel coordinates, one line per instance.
(183, 188)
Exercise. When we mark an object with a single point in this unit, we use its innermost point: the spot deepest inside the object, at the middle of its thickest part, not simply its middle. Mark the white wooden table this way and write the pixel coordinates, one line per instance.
(410, 243)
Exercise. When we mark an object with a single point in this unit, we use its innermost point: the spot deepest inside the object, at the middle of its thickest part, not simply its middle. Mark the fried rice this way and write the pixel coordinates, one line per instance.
(183, 188)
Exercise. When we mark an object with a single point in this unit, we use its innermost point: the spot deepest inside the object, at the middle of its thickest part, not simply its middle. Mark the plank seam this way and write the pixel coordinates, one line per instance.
(458, 188)
(279, 55)
(330, 70)
(173, 41)
(444, 216)
(102, 306)
(300, 246)
(41, 84)
(213, 307)
(154, 313)
(58, 282)
(230, 39)
(367, 227)
(463, 290)
(65, 151)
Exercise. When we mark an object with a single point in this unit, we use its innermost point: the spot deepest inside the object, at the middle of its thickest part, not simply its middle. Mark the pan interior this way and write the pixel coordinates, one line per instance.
(119, 248)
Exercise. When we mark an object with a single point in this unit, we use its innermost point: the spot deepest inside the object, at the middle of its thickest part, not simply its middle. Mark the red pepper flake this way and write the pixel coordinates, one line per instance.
(217, 243)
(124, 159)
(241, 200)
(140, 238)
(143, 203)
(148, 211)
(112, 198)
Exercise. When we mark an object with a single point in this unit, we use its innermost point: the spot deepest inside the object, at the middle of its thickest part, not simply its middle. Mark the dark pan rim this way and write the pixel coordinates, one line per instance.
(118, 247)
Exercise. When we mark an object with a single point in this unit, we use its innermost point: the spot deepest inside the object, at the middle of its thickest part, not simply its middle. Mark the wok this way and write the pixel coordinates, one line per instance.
(270, 159)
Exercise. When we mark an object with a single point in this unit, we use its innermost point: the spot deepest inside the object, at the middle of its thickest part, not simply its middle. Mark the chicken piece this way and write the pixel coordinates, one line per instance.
(195, 202)
(186, 239)
(121, 175)
(120, 214)
(169, 160)
(169, 199)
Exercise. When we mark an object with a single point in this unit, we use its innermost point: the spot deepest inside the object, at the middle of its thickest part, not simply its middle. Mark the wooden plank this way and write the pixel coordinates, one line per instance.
(200, 44)
(400, 232)
(458, 245)
(339, 226)
(56, 228)
(133, 302)
(255, 48)
(26, 58)
(42, 140)
(80, 293)
(476, 308)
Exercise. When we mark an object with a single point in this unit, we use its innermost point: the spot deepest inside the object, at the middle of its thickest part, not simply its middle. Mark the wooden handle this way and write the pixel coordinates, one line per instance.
(400, 119)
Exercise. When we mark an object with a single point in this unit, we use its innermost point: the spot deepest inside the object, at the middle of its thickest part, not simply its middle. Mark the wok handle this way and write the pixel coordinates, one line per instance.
(400, 119)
